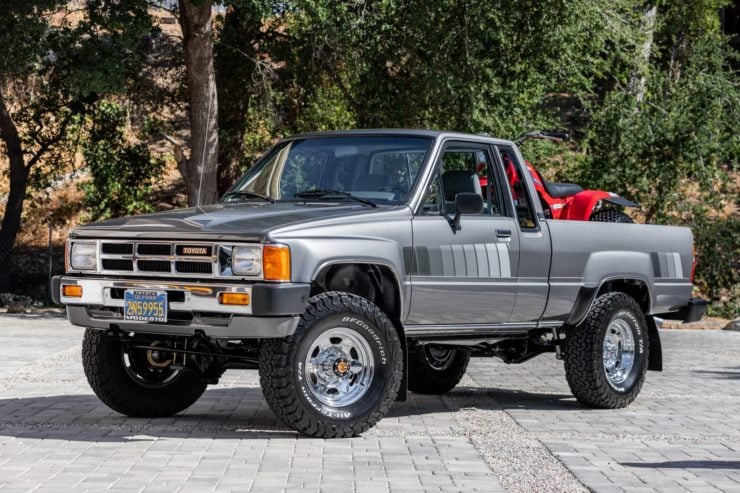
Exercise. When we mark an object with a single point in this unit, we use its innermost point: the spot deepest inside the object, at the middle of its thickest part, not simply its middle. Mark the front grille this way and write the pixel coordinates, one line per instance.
(118, 248)
(118, 264)
(154, 265)
(153, 249)
(185, 267)
(163, 259)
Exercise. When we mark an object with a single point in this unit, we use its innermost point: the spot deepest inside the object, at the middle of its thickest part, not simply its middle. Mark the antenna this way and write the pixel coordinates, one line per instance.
(205, 143)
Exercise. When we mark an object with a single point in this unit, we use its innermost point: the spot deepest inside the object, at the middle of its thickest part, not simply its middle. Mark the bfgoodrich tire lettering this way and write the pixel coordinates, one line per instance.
(287, 381)
(592, 353)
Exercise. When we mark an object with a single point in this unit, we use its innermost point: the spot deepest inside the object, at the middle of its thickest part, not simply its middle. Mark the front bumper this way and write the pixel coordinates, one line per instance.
(274, 309)
(693, 311)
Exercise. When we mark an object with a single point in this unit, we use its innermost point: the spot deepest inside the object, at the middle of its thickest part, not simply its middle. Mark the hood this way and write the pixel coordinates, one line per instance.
(246, 221)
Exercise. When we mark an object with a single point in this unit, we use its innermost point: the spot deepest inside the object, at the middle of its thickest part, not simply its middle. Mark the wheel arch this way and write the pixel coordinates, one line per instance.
(639, 289)
(636, 287)
(377, 282)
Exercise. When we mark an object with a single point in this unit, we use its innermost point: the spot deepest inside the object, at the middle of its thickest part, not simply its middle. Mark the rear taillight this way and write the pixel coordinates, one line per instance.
(693, 265)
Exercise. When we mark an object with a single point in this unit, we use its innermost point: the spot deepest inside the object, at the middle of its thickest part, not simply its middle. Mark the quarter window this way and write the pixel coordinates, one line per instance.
(520, 194)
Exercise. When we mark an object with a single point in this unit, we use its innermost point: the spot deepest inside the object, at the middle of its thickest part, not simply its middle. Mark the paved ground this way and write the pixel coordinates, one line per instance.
(506, 428)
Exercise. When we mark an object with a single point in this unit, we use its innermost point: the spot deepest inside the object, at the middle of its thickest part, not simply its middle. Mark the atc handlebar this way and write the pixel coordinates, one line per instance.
(554, 136)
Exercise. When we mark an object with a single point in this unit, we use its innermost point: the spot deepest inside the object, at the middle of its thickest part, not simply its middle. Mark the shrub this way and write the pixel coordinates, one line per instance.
(122, 173)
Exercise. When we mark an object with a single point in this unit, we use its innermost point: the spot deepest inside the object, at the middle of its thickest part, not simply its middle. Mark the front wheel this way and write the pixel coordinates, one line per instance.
(339, 373)
(137, 382)
(606, 356)
(436, 369)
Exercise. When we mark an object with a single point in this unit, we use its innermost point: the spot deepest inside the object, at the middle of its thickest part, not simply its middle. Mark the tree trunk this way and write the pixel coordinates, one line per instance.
(639, 77)
(200, 170)
(18, 183)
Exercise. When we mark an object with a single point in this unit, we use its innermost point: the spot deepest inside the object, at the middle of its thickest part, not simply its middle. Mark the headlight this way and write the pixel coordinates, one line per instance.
(246, 260)
(84, 256)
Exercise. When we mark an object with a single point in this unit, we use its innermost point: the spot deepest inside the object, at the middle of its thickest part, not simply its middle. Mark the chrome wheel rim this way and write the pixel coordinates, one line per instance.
(339, 367)
(439, 358)
(618, 352)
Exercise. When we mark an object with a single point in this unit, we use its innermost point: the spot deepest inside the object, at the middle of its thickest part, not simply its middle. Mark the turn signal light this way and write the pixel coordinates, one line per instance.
(276, 263)
(233, 298)
(72, 291)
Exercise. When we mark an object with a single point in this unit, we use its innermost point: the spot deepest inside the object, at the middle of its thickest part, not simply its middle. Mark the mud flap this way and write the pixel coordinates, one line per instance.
(403, 390)
(655, 358)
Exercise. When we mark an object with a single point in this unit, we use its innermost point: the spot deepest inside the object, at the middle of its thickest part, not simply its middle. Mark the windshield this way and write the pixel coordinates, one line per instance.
(378, 169)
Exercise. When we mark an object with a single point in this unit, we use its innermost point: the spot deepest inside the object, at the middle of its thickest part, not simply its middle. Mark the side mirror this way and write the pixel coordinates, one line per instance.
(466, 203)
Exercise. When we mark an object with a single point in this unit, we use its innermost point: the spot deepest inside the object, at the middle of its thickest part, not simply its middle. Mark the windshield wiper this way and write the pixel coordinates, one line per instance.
(251, 195)
(322, 193)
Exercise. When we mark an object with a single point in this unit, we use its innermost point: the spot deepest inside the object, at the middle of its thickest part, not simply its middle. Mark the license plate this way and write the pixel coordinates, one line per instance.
(145, 306)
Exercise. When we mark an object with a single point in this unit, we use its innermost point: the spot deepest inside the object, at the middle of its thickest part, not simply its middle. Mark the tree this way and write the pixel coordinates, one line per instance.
(200, 170)
(244, 79)
(53, 66)
(121, 171)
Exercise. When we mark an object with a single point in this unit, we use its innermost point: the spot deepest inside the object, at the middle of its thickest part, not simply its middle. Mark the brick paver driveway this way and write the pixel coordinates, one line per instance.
(506, 428)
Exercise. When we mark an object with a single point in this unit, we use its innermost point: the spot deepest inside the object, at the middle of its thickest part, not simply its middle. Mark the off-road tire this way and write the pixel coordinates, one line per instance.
(584, 368)
(104, 368)
(424, 378)
(611, 216)
(283, 381)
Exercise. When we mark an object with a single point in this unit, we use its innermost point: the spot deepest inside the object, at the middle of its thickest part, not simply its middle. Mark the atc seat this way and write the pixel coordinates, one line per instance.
(562, 190)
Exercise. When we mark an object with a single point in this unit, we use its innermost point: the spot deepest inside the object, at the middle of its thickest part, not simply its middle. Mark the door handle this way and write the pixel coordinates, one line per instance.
(503, 233)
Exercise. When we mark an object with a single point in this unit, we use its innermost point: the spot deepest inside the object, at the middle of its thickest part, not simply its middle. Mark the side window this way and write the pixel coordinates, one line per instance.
(518, 186)
(462, 170)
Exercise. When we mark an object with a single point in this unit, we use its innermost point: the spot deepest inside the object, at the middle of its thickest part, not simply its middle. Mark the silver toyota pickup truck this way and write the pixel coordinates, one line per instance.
(351, 267)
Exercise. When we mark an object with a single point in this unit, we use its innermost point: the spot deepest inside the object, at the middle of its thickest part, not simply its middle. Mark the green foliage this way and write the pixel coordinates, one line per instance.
(496, 66)
(718, 263)
(56, 61)
(685, 128)
(121, 173)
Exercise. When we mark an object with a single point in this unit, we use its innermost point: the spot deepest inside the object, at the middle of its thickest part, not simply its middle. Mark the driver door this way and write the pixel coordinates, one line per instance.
(463, 277)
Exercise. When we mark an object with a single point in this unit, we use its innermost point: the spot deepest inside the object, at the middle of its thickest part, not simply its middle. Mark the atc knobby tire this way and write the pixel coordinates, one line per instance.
(283, 381)
(104, 368)
(584, 368)
(611, 216)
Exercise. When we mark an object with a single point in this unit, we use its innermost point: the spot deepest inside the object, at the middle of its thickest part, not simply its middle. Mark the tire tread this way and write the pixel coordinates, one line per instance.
(275, 368)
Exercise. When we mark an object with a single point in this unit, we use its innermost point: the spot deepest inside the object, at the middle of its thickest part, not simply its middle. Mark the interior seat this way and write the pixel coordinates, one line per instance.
(459, 181)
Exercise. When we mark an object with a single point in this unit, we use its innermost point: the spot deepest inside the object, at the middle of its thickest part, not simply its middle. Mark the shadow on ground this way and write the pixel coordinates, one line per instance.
(726, 373)
(687, 464)
(238, 412)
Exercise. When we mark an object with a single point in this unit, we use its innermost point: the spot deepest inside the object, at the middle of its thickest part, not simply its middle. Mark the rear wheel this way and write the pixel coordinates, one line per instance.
(436, 369)
(137, 382)
(611, 216)
(606, 356)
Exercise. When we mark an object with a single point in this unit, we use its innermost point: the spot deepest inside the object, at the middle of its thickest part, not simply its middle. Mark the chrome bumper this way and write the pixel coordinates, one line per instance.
(197, 297)
(274, 309)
